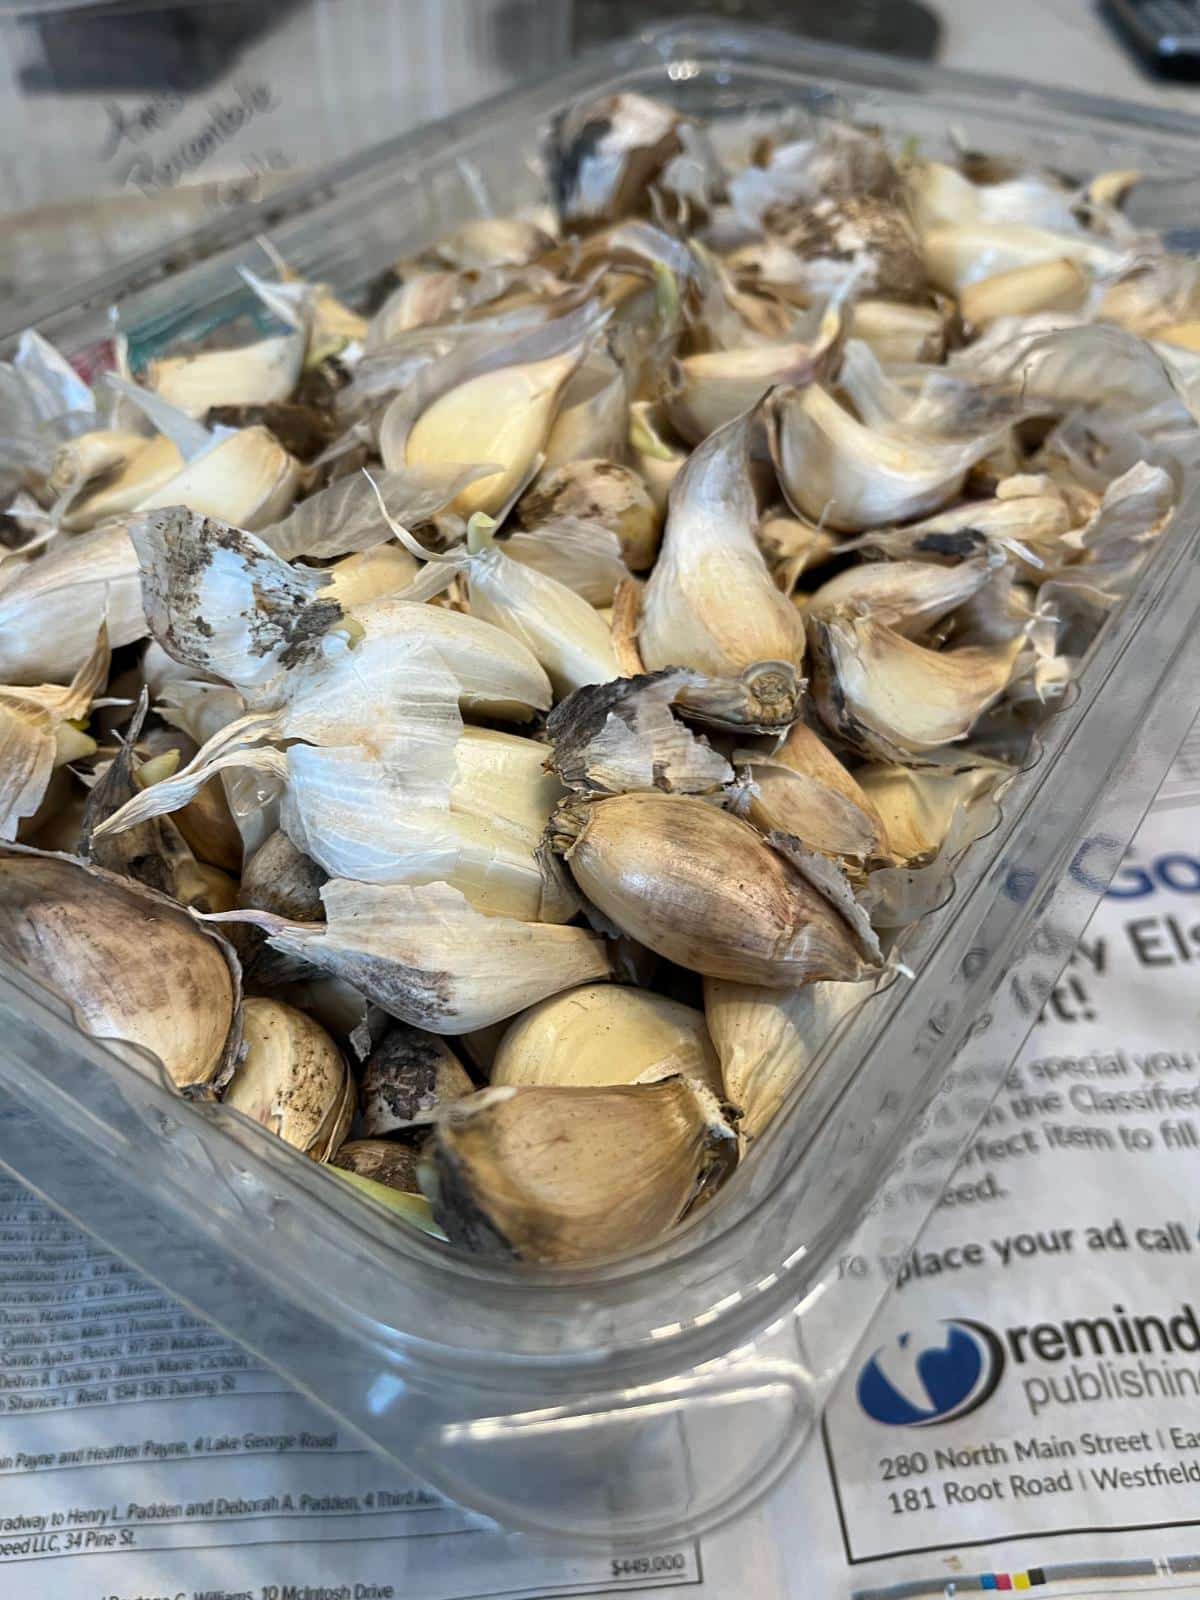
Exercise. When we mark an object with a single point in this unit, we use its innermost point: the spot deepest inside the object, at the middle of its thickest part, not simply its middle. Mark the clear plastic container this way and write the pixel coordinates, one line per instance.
(649, 1398)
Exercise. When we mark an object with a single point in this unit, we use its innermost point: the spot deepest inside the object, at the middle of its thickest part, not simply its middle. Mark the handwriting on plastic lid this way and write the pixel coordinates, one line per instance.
(144, 169)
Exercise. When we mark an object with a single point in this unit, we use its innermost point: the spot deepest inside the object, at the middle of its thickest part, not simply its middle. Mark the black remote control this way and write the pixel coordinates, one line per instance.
(1165, 33)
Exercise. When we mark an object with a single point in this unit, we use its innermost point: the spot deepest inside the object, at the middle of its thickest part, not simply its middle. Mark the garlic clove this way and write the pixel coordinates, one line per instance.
(603, 155)
(957, 256)
(766, 1040)
(51, 610)
(130, 963)
(898, 332)
(918, 804)
(280, 878)
(701, 888)
(891, 698)
(407, 1079)
(710, 602)
(386, 569)
(567, 1175)
(291, 1077)
(605, 1033)
(791, 545)
(248, 480)
(711, 389)
(598, 492)
(254, 375)
(593, 418)
(493, 242)
(1057, 285)
(909, 596)
(776, 799)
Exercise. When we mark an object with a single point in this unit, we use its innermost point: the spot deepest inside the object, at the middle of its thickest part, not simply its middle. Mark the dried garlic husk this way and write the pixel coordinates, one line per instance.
(568, 1175)
(601, 492)
(838, 471)
(583, 556)
(40, 730)
(278, 877)
(710, 602)
(130, 963)
(891, 698)
(345, 518)
(426, 956)
(255, 375)
(604, 1033)
(292, 1079)
(766, 1040)
(614, 738)
(408, 1077)
(248, 480)
(909, 596)
(604, 154)
(701, 888)
(918, 804)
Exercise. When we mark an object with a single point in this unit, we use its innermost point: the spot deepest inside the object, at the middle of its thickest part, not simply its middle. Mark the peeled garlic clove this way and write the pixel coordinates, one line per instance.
(427, 957)
(387, 569)
(710, 602)
(280, 878)
(291, 1078)
(766, 1040)
(602, 492)
(567, 1175)
(255, 375)
(493, 242)
(909, 596)
(617, 737)
(501, 418)
(248, 480)
(897, 332)
(918, 804)
(407, 1079)
(51, 610)
(701, 888)
(957, 256)
(1059, 285)
(132, 965)
(657, 463)
(888, 697)
(839, 472)
(711, 389)
(504, 777)
(604, 154)
(593, 418)
(604, 1033)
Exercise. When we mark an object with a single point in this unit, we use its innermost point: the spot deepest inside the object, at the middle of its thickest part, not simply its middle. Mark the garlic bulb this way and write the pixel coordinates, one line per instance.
(710, 602)
(407, 1079)
(604, 1033)
(565, 1175)
(889, 697)
(701, 888)
(130, 963)
(427, 957)
(292, 1079)
(766, 1040)
(601, 492)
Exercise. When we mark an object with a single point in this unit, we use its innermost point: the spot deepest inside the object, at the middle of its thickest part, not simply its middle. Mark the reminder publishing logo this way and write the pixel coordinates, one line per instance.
(930, 1374)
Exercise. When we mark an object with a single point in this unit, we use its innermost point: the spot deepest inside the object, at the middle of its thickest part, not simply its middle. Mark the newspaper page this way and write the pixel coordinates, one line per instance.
(1025, 1413)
